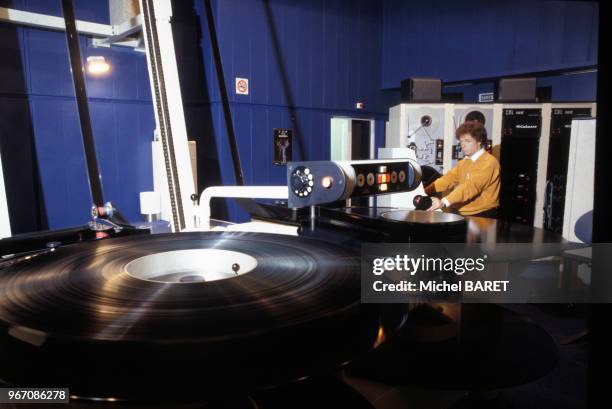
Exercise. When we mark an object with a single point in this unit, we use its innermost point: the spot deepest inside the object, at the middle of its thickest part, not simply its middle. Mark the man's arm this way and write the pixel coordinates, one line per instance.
(479, 179)
(443, 183)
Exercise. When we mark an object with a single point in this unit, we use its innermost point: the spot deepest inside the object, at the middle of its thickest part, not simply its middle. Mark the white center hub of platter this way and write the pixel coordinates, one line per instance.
(191, 266)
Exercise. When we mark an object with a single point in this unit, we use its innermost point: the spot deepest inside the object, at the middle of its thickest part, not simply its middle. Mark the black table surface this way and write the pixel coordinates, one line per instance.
(481, 229)
(492, 347)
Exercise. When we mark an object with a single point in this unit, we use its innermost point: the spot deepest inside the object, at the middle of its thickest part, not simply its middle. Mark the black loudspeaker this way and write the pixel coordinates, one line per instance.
(516, 89)
(421, 90)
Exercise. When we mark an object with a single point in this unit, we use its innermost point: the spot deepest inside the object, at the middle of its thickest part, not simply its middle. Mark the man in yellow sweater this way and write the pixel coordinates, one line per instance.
(474, 181)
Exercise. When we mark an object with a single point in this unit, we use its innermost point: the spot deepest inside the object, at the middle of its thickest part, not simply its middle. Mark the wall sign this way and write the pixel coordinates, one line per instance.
(486, 97)
(242, 86)
(282, 146)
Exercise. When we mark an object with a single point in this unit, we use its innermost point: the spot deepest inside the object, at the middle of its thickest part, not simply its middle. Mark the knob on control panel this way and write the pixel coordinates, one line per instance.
(360, 180)
(370, 179)
(302, 181)
(327, 182)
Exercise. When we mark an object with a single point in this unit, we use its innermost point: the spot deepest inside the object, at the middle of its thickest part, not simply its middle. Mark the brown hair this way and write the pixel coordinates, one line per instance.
(474, 128)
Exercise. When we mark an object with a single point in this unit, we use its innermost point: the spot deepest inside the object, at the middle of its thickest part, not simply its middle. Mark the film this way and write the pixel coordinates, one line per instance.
(426, 134)
(135, 318)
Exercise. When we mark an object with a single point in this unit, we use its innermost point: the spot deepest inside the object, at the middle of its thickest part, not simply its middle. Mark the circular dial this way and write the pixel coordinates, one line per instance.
(402, 176)
(370, 179)
(302, 181)
(360, 180)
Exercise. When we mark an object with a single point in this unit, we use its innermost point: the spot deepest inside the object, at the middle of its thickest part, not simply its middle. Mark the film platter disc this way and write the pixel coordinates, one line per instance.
(109, 319)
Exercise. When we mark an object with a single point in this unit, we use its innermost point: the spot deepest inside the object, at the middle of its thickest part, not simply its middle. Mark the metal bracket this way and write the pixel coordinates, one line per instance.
(123, 35)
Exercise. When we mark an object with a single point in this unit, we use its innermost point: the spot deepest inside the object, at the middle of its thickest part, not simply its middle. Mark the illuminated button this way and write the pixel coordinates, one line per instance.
(310, 177)
(383, 187)
(402, 176)
(394, 177)
(309, 189)
(379, 178)
(306, 171)
(360, 180)
(310, 183)
(370, 179)
(382, 169)
(327, 182)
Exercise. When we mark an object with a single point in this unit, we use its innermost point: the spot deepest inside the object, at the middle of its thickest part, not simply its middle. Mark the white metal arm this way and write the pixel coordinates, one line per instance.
(250, 192)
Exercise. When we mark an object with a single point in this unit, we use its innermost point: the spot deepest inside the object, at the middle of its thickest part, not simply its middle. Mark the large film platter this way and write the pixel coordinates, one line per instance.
(169, 317)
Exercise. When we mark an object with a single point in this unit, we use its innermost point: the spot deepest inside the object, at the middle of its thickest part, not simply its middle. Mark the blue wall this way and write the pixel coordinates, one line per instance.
(459, 40)
(573, 87)
(328, 58)
(120, 107)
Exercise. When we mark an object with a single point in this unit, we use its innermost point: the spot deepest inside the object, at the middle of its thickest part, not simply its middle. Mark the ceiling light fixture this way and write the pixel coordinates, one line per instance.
(97, 65)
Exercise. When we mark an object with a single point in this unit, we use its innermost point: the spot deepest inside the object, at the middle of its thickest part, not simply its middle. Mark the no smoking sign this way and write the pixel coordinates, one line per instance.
(242, 86)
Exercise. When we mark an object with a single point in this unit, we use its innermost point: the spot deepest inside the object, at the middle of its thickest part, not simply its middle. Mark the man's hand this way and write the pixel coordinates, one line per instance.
(435, 204)
(430, 189)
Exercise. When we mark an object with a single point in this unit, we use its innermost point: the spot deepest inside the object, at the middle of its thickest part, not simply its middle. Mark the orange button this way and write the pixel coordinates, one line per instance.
(327, 182)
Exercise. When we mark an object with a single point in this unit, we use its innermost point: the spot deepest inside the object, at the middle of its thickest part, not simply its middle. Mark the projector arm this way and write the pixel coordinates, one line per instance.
(248, 192)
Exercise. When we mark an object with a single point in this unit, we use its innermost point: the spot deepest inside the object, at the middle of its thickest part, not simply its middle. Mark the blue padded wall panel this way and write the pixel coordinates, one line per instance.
(61, 161)
(578, 27)
(128, 78)
(476, 39)
(124, 78)
(95, 11)
(551, 33)
(124, 151)
(48, 65)
(526, 45)
(304, 58)
(123, 143)
(50, 7)
(49, 68)
(578, 87)
(316, 83)
(323, 54)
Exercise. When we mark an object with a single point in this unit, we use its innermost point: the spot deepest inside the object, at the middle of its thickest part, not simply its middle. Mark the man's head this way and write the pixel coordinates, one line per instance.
(472, 135)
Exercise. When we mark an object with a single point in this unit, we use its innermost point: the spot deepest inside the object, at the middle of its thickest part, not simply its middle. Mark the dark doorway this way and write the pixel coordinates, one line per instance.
(360, 149)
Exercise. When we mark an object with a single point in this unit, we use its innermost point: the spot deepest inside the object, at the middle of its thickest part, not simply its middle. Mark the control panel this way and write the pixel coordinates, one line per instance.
(319, 182)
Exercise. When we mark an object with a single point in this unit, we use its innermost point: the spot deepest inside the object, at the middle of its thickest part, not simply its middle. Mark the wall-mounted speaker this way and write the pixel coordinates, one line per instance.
(516, 89)
(421, 90)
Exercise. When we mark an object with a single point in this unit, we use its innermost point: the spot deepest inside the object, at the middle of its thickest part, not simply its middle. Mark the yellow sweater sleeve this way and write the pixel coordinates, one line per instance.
(479, 178)
(443, 183)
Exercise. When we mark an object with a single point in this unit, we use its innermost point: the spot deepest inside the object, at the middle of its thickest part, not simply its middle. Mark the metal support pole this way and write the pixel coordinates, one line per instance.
(93, 172)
